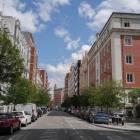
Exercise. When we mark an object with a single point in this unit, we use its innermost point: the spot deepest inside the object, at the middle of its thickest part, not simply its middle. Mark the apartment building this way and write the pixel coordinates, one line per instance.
(18, 39)
(77, 77)
(83, 72)
(58, 92)
(115, 53)
(71, 82)
(34, 57)
(45, 79)
(39, 78)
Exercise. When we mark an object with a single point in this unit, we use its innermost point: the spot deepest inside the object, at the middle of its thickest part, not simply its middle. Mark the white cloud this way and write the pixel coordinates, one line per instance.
(105, 9)
(73, 44)
(61, 69)
(92, 39)
(41, 27)
(28, 19)
(22, 6)
(61, 32)
(85, 10)
(68, 39)
(46, 7)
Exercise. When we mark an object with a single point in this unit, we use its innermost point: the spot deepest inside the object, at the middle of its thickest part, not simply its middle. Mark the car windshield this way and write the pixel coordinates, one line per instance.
(17, 113)
(3, 116)
(101, 113)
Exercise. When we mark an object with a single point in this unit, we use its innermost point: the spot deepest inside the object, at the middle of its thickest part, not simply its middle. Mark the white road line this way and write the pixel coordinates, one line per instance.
(73, 128)
(66, 131)
(109, 137)
(77, 132)
(101, 133)
(81, 137)
(1, 137)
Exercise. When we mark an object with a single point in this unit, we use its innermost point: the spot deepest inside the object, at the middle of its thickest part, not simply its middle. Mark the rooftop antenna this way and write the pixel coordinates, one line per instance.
(3, 9)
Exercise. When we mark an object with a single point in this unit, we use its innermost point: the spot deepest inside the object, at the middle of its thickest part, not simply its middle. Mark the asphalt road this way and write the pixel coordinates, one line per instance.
(58, 125)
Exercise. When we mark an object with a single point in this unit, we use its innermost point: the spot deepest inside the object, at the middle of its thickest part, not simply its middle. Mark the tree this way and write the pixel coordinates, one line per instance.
(41, 97)
(11, 65)
(134, 94)
(19, 92)
(111, 94)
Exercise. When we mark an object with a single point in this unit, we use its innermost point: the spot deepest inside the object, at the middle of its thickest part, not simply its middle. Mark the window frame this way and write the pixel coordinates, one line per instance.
(132, 78)
(126, 59)
(107, 47)
(127, 21)
(101, 54)
(109, 79)
(130, 39)
(107, 64)
(102, 69)
(104, 66)
(105, 51)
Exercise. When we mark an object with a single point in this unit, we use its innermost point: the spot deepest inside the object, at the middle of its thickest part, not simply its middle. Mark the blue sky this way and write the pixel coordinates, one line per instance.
(64, 29)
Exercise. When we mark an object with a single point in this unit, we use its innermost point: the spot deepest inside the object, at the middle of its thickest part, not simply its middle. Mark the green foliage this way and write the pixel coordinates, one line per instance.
(134, 94)
(17, 93)
(66, 103)
(11, 65)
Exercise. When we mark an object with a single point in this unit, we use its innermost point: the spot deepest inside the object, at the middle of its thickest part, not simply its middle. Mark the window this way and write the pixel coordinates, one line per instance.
(130, 78)
(97, 59)
(101, 54)
(108, 47)
(128, 41)
(101, 69)
(104, 51)
(109, 78)
(94, 75)
(105, 80)
(127, 23)
(93, 63)
(129, 100)
(129, 59)
(97, 72)
(108, 63)
(105, 66)
(107, 31)
(102, 82)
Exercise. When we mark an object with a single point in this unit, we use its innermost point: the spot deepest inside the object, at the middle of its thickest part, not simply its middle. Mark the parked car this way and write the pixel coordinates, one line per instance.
(76, 113)
(9, 122)
(79, 113)
(101, 117)
(44, 110)
(58, 109)
(82, 114)
(72, 111)
(88, 114)
(65, 110)
(30, 108)
(24, 117)
(39, 112)
(91, 116)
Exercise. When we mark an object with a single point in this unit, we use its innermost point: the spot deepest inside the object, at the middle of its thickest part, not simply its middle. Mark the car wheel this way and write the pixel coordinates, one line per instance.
(94, 121)
(36, 118)
(30, 121)
(11, 130)
(25, 123)
(33, 119)
(19, 126)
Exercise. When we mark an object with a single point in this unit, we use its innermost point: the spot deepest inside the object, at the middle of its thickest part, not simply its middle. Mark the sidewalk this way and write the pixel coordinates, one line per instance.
(126, 127)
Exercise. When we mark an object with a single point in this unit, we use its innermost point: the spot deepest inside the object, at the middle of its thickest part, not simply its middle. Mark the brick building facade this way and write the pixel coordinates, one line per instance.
(115, 53)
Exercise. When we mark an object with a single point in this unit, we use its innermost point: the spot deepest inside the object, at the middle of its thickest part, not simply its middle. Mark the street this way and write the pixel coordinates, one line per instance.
(59, 125)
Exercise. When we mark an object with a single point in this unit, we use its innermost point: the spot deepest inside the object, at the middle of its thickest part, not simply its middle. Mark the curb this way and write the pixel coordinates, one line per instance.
(116, 128)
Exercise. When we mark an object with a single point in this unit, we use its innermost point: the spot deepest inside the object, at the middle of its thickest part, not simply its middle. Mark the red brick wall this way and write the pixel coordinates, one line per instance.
(103, 60)
(92, 70)
(135, 67)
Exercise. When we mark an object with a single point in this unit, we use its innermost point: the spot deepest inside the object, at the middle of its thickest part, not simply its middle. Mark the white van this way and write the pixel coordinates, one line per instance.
(30, 108)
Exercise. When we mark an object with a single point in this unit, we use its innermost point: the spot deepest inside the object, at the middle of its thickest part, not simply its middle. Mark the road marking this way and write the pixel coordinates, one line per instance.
(66, 131)
(101, 133)
(1, 137)
(109, 137)
(77, 132)
(81, 137)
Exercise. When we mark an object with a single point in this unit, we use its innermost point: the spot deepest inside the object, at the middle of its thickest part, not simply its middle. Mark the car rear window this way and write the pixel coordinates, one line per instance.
(100, 112)
(3, 116)
(18, 113)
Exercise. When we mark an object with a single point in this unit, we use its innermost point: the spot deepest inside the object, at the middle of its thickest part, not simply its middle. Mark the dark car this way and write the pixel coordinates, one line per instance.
(9, 122)
(44, 110)
(82, 114)
(39, 113)
(88, 114)
(79, 113)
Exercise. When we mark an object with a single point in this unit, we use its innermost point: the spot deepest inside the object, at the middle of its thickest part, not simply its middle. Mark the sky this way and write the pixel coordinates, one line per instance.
(64, 29)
